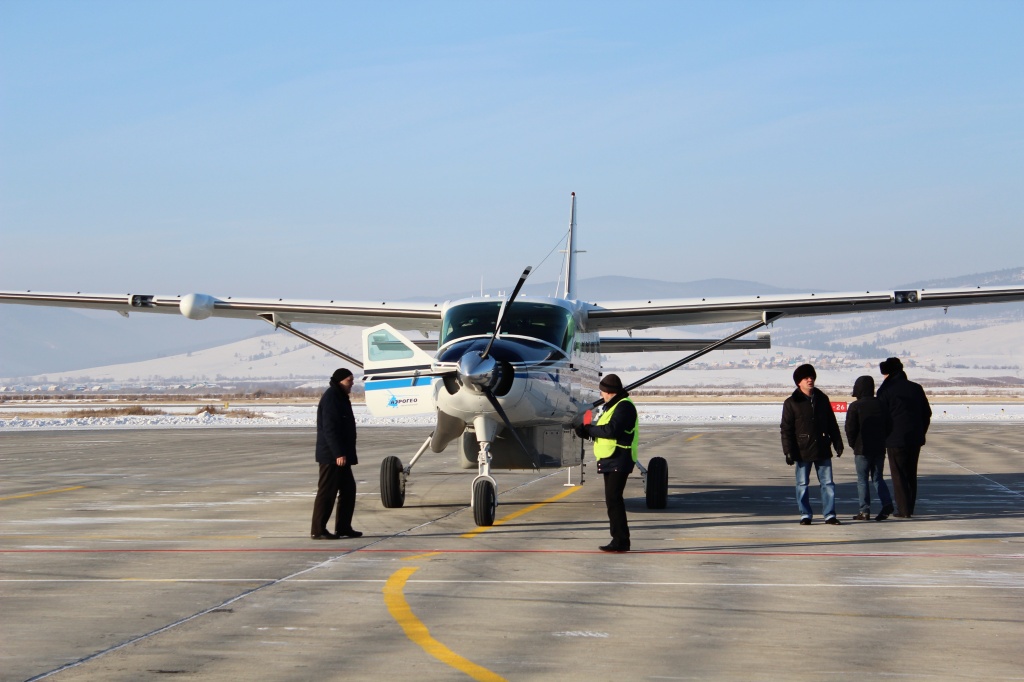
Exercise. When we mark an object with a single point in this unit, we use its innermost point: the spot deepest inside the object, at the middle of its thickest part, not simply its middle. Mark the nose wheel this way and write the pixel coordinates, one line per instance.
(485, 501)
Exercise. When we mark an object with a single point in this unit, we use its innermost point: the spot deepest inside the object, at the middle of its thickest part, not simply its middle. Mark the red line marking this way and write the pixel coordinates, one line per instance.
(673, 552)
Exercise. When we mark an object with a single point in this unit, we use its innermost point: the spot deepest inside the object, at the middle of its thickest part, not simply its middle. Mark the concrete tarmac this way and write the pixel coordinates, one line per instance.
(143, 554)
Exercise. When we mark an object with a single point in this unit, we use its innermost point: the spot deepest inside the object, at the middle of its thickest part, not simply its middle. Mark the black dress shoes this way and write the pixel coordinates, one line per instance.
(323, 535)
(884, 514)
(349, 534)
(615, 547)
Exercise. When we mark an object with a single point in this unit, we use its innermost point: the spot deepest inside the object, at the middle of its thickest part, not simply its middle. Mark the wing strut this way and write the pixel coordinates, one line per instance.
(766, 319)
(271, 318)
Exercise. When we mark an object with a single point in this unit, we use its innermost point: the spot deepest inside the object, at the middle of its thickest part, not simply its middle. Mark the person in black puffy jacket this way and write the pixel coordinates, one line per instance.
(809, 433)
(867, 427)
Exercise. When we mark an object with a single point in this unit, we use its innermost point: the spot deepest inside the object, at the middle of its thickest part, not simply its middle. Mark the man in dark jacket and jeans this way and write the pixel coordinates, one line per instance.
(809, 432)
(867, 426)
(911, 415)
(336, 454)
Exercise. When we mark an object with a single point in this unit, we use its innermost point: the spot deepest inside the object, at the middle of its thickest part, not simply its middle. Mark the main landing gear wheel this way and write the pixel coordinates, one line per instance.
(392, 482)
(485, 502)
(657, 483)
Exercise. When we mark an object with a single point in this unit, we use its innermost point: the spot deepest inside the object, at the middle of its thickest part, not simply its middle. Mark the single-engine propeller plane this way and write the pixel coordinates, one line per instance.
(511, 376)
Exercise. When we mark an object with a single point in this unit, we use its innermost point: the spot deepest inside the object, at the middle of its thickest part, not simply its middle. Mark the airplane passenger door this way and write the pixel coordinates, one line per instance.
(391, 363)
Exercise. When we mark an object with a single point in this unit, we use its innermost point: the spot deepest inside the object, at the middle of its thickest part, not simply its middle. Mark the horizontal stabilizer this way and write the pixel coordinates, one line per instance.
(636, 345)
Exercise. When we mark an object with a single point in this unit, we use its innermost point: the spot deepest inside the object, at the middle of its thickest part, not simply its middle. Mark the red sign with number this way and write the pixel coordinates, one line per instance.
(839, 407)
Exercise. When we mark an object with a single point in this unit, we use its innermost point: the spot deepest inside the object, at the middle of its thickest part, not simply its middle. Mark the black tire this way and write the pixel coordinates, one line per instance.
(485, 502)
(657, 483)
(392, 483)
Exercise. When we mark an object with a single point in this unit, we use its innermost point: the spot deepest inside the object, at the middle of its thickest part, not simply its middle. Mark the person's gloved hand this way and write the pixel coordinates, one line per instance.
(789, 460)
(839, 452)
(581, 432)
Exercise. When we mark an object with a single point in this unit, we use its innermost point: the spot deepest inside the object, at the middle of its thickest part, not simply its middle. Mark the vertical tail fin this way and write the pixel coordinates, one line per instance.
(570, 254)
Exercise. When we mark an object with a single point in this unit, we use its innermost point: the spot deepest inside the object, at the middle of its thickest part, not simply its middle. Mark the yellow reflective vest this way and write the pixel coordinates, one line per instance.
(608, 447)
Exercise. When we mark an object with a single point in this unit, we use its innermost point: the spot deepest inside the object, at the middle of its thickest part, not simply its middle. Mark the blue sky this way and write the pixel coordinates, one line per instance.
(382, 150)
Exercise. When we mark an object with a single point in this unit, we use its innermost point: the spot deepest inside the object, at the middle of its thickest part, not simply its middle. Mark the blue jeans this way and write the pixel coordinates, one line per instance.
(828, 487)
(871, 469)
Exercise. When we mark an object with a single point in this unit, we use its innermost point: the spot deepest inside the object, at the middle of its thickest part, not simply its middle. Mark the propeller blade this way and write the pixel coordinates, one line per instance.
(505, 305)
(508, 424)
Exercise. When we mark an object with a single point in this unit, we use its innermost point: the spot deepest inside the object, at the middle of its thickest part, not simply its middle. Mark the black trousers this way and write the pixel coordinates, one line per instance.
(614, 486)
(335, 482)
(903, 470)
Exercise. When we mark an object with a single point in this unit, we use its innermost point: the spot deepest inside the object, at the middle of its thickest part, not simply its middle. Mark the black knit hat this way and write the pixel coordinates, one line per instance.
(611, 384)
(802, 372)
(340, 375)
(890, 366)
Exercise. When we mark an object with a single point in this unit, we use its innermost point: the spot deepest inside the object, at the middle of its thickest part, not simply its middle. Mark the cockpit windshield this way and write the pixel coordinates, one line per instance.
(543, 321)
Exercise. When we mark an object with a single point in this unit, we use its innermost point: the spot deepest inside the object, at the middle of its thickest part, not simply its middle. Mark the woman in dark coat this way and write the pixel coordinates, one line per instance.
(867, 427)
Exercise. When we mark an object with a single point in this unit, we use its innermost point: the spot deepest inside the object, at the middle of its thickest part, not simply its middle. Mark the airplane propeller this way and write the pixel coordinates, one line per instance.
(482, 372)
(478, 371)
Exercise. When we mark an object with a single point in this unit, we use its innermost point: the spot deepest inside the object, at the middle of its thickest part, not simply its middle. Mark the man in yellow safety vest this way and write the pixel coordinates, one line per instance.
(615, 436)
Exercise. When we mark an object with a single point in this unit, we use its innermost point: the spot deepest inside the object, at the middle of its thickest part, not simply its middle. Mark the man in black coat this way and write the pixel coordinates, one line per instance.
(867, 426)
(809, 432)
(911, 415)
(336, 455)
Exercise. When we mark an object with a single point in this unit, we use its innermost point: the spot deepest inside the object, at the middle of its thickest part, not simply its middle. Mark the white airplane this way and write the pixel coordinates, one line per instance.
(511, 376)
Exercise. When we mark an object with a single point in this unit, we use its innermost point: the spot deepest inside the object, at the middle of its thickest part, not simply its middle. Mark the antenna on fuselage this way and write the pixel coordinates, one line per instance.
(570, 254)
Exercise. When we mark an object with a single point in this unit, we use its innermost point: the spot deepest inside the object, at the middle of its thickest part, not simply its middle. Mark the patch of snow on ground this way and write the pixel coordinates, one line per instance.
(650, 413)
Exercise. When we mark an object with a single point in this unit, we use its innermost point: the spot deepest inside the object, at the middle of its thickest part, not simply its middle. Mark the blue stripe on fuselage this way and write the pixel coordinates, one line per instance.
(387, 384)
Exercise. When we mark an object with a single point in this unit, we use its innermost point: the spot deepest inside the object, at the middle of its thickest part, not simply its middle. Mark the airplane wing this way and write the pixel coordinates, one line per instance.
(679, 312)
(422, 316)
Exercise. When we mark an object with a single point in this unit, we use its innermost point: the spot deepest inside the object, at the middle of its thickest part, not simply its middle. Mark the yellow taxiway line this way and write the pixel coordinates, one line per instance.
(394, 599)
(41, 492)
(525, 510)
(415, 630)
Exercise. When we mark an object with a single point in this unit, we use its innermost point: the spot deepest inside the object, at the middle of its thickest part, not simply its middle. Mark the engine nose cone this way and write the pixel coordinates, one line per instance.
(476, 372)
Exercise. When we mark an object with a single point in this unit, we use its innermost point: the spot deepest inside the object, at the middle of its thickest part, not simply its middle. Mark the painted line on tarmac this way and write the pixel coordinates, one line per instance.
(198, 614)
(41, 492)
(985, 478)
(342, 552)
(416, 631)
(556, 583)
(139, 580)
(1000, 538)
(525, 510)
